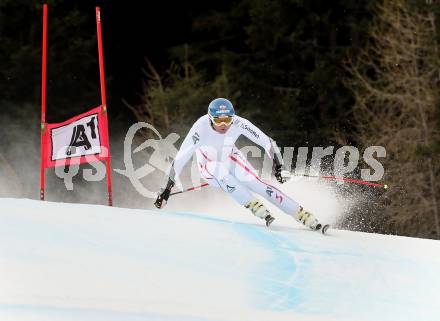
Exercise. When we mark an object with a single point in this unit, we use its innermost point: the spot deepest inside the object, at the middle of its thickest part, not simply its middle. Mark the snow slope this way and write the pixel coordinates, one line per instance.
(83, 262)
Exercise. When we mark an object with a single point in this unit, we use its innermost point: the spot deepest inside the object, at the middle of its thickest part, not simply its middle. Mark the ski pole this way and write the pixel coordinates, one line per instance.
(190, 189)
(348, 180)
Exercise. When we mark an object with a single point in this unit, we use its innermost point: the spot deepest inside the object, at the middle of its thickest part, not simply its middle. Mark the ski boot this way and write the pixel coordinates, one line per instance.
(307, 219)
(258, 209)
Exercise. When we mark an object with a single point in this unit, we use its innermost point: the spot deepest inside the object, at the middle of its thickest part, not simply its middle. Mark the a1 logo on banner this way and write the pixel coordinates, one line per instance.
(79, 138)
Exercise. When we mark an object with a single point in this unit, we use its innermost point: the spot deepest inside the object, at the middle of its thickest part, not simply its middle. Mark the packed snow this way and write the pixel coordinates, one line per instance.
(62, 261)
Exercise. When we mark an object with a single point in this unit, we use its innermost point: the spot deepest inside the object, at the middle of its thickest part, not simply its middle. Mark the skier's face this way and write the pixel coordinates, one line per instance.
(221, 124)
(222, 128)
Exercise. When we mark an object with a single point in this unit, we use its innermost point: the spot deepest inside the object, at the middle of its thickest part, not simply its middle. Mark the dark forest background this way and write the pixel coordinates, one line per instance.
(309, 73)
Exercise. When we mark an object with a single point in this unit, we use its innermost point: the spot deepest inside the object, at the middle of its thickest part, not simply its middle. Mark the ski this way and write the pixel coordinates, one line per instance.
(322, 228)
(325, 228)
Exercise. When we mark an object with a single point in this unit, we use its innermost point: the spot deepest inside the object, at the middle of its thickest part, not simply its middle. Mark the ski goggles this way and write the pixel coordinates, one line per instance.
(227, 120)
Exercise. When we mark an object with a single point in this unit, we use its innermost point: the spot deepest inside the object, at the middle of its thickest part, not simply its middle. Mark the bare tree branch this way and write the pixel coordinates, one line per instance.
(395, 81)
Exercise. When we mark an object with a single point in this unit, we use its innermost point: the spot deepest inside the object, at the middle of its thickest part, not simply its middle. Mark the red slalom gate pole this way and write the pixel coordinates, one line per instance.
(103, 99)
(43, 103)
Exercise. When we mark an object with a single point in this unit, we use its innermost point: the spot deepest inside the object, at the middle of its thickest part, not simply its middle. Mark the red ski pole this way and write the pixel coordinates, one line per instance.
(348, 180)
(190, 189)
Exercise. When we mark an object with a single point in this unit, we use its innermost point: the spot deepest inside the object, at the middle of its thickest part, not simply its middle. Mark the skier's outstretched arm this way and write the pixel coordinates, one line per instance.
(184, 154)
(279, 170)
(257, 136)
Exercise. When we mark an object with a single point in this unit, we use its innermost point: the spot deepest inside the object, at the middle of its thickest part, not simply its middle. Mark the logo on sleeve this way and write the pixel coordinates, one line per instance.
(196, 138)
(248, 128)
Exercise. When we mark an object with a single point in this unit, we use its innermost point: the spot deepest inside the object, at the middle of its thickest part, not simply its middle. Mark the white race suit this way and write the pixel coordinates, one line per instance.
(222, 165)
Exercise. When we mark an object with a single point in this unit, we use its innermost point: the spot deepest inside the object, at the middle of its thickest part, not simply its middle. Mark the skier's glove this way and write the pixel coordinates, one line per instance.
(162, 198)
(281, 174)
(163, 195)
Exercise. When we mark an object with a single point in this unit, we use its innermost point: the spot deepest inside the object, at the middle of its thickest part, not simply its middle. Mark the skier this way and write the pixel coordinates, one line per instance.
(222, 165)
